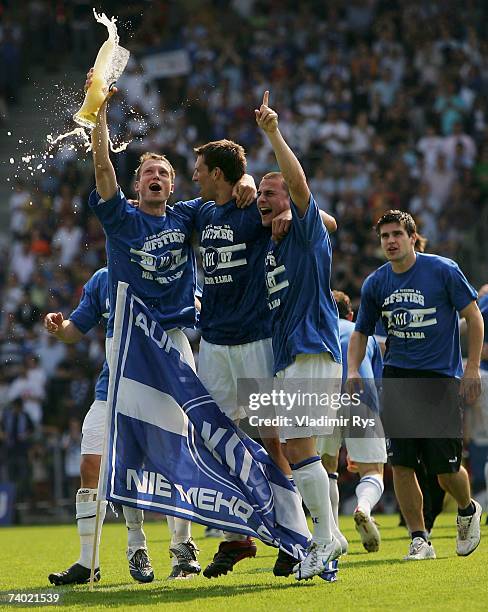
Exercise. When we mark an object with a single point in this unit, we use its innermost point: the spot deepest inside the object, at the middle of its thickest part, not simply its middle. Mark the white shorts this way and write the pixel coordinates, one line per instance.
(360, 450)
(322, 370)
(94, 423)
(93, 429)
(220, 366)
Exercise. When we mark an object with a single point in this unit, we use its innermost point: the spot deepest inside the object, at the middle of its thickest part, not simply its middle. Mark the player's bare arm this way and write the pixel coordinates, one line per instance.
(355, 355)
(104, 171)
(471, 381)
(290, 167)
(63, 329)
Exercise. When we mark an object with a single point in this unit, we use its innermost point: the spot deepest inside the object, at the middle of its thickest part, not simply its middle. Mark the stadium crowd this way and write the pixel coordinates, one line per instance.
(382, 113)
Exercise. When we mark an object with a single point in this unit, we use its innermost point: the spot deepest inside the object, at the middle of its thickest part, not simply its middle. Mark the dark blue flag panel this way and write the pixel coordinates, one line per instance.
(171, 450)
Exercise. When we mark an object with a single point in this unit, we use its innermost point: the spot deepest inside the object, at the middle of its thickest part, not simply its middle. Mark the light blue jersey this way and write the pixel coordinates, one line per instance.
(233, 244)
(483, 305)
(371, 368)
(94, 307)
(153, 255)
(419, 312)
(305, 317)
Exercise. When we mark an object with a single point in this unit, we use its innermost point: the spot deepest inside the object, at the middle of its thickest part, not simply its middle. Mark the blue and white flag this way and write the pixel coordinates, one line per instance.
(171, 450)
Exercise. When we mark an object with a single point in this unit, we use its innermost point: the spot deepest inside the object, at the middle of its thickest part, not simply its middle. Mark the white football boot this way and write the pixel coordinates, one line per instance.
(317, 559)
(368, 530)
(468, 532)
(420, 549)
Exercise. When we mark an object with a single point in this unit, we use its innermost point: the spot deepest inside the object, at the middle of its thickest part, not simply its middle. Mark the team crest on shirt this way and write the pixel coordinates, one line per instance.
(218, 261)
(406, 319)
(163, 266)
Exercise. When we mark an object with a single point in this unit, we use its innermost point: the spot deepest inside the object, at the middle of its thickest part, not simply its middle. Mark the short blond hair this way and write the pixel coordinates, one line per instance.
(277, 175)
(148, 155)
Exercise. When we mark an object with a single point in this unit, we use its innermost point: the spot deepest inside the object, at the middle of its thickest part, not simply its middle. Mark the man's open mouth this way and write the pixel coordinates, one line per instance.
(155, 187)
(264, 210)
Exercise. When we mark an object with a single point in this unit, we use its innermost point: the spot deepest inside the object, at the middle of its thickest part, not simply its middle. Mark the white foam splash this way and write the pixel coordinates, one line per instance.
(118, 148)
(110, 24)
(79, 131)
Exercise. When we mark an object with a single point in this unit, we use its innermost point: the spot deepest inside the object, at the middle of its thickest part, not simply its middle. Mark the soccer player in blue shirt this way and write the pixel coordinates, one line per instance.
(94, 308)
(148, 246)
(367, 453)
(305, 326)
(418, 296)
(234, 317)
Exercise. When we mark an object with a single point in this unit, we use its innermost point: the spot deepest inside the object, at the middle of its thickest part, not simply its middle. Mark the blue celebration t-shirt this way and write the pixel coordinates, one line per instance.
(419, 312)
(483, 306)
(371, 368)
(94, 307)
(233, 245)
(305, 317)
(153, 255)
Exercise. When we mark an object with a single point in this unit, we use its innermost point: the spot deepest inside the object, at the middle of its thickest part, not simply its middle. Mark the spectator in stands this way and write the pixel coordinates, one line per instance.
(16, 431)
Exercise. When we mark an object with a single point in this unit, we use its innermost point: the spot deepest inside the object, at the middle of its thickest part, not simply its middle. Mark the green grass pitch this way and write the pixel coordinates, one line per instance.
(377, 581)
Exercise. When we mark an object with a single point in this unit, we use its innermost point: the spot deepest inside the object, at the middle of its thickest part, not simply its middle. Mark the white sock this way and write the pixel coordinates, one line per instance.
(230, 536)
(182, 530)
(171, 525)
(334, 527)
(369, 491)
(313, 483)
(86, 509)
(334, 495)
(136, 538)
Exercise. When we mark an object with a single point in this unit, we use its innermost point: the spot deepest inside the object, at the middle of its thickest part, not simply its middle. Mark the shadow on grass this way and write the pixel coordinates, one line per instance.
(116, 596)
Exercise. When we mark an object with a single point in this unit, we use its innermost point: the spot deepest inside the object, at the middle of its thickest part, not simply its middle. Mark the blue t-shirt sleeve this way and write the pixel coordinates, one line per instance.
(369, 311)
(460, 292)
(88, 312)
(308, 229)
(188, 210)
(111, 213)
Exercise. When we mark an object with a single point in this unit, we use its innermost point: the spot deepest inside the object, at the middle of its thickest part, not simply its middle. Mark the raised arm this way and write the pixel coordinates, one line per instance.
(104, 171)
(290, 167)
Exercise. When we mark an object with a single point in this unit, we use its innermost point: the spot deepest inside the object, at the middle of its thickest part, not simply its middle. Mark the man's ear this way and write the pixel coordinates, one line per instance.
(136, 187)
(216, 173)
(350, 316)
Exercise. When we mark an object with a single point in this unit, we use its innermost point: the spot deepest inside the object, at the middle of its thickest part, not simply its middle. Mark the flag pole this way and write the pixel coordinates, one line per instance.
(112, 358)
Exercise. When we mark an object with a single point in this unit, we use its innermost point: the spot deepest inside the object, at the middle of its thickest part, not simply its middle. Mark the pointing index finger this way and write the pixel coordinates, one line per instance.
(266, 98)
